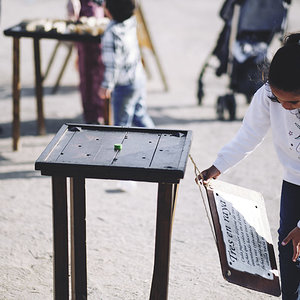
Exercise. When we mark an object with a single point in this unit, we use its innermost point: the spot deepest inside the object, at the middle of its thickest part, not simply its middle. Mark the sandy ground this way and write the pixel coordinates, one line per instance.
(121, 226)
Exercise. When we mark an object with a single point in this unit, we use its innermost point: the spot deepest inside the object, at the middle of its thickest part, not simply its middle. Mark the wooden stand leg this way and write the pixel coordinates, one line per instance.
(78, 239)
(70, 48)
(51, 60)
(60, 238)
(39, 87)
(149, 44)
(107, 112)
(166, 203)
(16, 93)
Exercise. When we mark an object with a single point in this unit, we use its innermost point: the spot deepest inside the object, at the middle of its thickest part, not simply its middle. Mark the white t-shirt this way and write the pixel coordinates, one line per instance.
(261, 115)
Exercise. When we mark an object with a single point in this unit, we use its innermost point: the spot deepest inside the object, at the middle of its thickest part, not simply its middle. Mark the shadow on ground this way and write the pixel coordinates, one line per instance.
(29, 128)
(6, 91)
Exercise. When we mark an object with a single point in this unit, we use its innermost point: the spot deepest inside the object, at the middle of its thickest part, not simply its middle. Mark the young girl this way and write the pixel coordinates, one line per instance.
(277, 105)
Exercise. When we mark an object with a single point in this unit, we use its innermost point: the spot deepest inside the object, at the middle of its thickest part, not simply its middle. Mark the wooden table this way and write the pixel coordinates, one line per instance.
(87, 151)
(17, 32)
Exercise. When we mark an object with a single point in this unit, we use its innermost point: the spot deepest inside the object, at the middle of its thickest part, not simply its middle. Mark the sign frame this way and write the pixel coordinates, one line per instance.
(244, 279)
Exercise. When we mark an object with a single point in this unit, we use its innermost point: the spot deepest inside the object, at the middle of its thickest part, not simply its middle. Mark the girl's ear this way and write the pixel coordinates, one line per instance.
(293, 38)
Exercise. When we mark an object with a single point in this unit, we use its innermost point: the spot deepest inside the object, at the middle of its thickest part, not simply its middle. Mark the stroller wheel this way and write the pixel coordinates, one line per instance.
(200, 93)
(226, 103)
(231, 106)
(220, 107)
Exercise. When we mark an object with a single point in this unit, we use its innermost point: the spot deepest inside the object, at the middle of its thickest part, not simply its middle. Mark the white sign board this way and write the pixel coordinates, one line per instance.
(243, 237)
(244, 234)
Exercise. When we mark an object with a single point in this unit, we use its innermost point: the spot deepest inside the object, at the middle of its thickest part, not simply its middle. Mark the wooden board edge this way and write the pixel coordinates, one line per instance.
(271, 287)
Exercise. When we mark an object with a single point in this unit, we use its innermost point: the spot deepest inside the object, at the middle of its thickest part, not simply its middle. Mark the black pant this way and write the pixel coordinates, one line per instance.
(289, 216)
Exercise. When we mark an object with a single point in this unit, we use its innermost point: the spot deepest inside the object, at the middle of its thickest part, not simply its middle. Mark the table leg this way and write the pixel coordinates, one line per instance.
(166, 203)
(107, 112)
(51, 59)
(39, 87)
(60, 238)
(16, 93)
(70, 48)
(78, 239)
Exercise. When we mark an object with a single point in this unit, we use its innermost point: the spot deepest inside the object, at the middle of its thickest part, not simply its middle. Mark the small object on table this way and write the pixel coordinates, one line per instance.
(118, 147)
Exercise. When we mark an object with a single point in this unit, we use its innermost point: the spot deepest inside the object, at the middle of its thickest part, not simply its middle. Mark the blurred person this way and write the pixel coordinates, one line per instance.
(276, 105)
(0, 24)
(124, 77)
(90, 64)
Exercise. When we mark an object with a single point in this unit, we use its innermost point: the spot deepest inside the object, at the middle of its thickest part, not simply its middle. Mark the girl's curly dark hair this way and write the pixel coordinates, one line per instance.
(284, 70)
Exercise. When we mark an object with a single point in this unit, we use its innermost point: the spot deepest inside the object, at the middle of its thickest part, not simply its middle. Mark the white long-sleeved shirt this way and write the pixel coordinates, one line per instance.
(262, 115)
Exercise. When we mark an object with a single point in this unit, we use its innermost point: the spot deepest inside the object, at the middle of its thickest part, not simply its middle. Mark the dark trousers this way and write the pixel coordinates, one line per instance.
(289, 216)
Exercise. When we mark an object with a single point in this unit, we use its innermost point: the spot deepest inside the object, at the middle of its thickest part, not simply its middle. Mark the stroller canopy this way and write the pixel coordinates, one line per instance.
(261, 15)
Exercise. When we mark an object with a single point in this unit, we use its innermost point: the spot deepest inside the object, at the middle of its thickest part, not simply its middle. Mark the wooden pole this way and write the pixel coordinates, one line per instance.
(39, 87)
(16, 93)
(78, 238)
(140, 16)
(107, 112)
(166, 202)
(60, 238)
(70, 48)
(51, 60)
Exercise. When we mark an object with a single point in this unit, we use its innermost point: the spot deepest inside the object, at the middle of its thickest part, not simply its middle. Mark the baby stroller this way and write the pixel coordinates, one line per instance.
(250, 26)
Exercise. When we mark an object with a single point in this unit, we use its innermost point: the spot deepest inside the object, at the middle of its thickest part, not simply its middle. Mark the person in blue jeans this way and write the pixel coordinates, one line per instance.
(124, 76)
(276, 105)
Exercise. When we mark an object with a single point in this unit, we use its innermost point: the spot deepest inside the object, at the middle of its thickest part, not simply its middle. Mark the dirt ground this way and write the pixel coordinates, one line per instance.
(121, 226)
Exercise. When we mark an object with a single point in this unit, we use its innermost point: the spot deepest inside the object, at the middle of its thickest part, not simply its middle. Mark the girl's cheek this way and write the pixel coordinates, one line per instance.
(286, 106)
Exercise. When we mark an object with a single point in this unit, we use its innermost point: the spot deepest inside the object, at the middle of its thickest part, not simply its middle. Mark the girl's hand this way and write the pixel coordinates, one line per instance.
(211, 172)
(293, 236)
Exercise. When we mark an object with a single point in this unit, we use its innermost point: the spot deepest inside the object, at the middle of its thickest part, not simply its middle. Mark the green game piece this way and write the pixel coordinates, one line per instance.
(118, 147)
